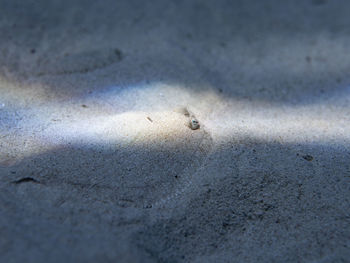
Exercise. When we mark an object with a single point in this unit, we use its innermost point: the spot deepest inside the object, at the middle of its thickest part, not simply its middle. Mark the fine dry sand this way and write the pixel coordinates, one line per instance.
(97, 159)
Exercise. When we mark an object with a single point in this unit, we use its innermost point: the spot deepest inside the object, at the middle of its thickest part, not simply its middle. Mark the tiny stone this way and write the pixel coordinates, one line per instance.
(194, 124)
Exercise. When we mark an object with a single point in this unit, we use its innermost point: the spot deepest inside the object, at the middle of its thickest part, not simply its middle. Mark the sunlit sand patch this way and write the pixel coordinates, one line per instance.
(148, 115)
(168, 128)
(140, 116)
(284, 124)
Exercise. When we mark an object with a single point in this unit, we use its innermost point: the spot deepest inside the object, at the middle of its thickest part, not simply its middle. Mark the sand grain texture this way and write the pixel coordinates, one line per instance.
(97, 159)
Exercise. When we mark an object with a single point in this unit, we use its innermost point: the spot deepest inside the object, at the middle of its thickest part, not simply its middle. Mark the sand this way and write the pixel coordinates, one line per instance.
(98, 162)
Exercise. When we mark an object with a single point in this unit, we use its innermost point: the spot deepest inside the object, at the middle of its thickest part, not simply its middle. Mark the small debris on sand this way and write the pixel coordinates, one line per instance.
(308, 157)
(194, 123)
(26, 180)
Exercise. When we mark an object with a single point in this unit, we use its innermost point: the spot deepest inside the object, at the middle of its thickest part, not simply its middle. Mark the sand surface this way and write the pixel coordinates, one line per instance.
(98, 162)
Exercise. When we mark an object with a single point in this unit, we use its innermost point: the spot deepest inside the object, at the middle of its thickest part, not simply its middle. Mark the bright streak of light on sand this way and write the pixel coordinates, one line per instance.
(147, 115)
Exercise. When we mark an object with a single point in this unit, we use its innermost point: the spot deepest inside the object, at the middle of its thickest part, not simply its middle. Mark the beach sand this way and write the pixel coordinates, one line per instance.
(98, 161)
